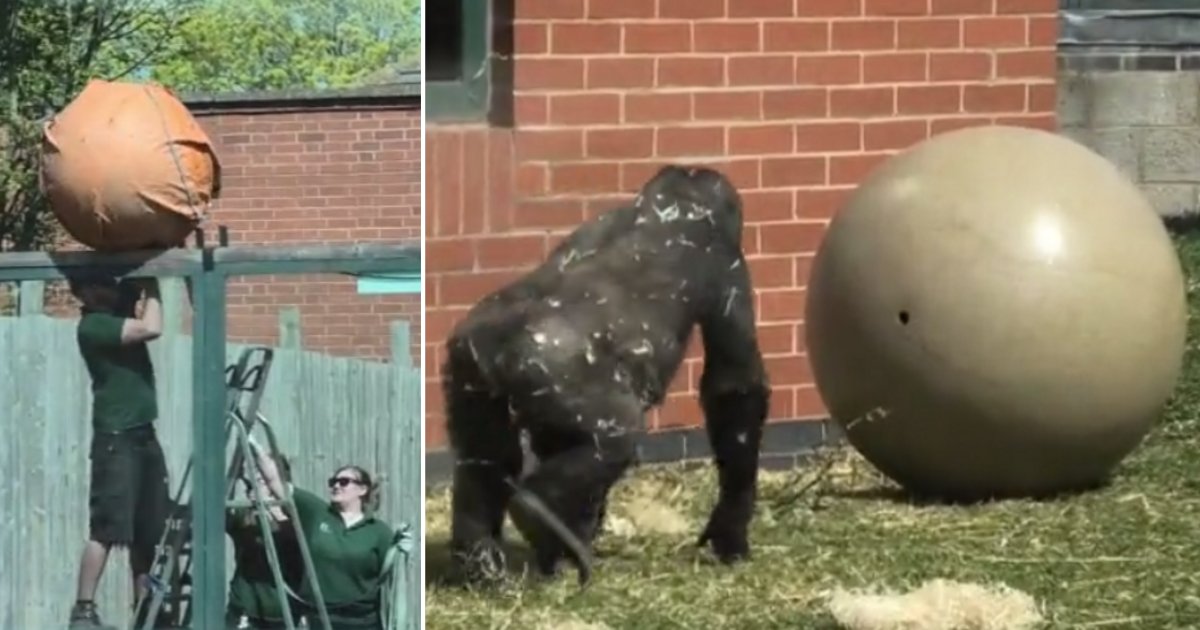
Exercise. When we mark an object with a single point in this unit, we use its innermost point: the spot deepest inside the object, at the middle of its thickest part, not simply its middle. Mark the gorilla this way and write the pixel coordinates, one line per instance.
(578, 350)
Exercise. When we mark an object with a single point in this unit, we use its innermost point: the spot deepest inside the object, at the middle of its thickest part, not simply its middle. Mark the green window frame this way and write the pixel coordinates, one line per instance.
(469, 97)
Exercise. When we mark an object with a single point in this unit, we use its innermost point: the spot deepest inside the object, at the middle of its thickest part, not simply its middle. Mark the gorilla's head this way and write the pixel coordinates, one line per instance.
(703, 187)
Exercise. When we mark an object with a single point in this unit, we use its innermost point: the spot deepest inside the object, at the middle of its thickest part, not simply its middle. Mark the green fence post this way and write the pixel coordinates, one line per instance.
(208, 439)
(173, 294)
(31, 298)
(408, 464)
(289, 328)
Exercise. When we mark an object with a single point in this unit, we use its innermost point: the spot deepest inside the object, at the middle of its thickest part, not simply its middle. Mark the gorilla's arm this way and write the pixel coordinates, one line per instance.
(735, 396)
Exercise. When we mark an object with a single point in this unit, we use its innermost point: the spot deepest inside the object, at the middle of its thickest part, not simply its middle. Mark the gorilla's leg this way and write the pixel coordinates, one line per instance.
(734, 421)
(588, 433)
(547, 444)
(488, 454)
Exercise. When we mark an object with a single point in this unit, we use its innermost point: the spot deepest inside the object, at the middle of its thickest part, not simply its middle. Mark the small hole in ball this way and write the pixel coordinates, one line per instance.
(903, 317)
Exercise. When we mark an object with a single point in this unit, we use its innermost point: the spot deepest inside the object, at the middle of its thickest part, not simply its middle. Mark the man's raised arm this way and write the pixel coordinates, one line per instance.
(149, 326)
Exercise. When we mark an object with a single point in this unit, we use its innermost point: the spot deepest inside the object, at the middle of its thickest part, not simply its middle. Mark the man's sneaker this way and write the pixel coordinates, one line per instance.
(85, 617)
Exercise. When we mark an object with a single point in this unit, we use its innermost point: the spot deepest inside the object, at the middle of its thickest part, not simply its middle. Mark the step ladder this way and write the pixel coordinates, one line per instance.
(168, 598)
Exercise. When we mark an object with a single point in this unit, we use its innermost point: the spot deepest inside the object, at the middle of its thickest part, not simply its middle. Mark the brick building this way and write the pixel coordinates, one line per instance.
(572, 104)
(319, 169)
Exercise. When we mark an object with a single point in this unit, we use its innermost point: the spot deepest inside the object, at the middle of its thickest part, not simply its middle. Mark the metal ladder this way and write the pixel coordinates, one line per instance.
(168, 598)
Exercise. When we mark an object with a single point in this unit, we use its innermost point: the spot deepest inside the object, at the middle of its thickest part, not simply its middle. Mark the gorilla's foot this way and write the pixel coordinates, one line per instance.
(481, 563)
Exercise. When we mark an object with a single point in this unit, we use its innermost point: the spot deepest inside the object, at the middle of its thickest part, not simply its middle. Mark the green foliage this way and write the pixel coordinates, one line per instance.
(48, 51)
(249, 45)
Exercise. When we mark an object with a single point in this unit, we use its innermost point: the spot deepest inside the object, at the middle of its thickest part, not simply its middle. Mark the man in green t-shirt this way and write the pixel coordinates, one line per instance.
(129, 500)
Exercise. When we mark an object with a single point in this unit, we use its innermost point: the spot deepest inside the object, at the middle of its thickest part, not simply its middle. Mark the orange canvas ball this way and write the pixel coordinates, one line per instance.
(125, 166)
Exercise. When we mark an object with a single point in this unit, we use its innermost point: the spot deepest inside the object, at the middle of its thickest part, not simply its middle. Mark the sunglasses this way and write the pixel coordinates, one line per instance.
(342, 482)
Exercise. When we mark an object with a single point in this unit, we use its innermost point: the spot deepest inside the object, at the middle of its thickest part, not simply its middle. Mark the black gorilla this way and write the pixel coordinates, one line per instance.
(579, 349)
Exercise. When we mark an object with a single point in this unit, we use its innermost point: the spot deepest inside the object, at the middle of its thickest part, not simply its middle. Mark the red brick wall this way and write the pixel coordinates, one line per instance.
(796, 99)
(319, 177)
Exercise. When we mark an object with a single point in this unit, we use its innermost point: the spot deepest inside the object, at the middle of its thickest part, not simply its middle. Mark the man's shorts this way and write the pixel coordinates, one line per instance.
(129, 499)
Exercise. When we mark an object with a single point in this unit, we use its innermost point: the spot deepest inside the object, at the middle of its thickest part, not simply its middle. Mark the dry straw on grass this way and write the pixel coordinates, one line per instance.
(937, 605)
(1122, 557)
(572, 625)
(648, 509)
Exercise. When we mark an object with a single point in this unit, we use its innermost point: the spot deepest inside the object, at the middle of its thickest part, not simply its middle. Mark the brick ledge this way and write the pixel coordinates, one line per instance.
(785, 444)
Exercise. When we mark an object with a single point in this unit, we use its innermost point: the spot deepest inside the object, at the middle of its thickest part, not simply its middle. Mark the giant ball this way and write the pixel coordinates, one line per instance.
(996, 312)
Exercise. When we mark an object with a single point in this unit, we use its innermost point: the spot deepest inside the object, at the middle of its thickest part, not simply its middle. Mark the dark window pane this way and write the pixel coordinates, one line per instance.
(444, 40)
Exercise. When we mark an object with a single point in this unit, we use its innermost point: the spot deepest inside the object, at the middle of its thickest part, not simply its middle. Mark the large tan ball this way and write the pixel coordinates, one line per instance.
(996, 312)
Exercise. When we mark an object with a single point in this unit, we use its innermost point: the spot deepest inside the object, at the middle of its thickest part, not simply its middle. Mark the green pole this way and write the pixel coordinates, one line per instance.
(406, 411)
(208, 435)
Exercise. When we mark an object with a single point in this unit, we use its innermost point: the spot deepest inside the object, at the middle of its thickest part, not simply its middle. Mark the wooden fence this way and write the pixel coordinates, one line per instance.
(326, 411)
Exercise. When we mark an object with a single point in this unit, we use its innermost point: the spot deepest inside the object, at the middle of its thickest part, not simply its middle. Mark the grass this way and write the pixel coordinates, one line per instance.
(1126, 556)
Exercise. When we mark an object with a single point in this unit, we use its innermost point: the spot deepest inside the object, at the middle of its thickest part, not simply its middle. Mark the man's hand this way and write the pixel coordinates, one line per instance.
(150, 326)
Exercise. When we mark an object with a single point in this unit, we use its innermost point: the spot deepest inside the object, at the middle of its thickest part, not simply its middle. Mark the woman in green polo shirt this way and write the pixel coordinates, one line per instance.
(348, 544)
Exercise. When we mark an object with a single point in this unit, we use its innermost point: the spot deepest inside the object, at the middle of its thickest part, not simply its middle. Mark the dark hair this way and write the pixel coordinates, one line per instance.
(371, 498)
(128, 295)
(78, 281)
(281, 464)
(246, 517)
(127, 291)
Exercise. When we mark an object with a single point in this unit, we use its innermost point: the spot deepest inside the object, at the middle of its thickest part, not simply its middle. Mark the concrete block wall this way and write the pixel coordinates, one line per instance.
(1147, 123)
(1129, 88)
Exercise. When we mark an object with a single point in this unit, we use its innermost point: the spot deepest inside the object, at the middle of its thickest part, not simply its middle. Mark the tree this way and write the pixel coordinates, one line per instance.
(250, 45)
(48, 51)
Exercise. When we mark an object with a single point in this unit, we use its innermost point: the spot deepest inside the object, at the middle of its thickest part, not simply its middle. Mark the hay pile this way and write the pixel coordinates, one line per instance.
(649, 509)
(937, 605)
(572, 625)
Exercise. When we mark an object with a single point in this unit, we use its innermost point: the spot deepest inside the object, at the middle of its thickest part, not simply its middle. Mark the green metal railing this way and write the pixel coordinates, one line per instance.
(209, 269)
